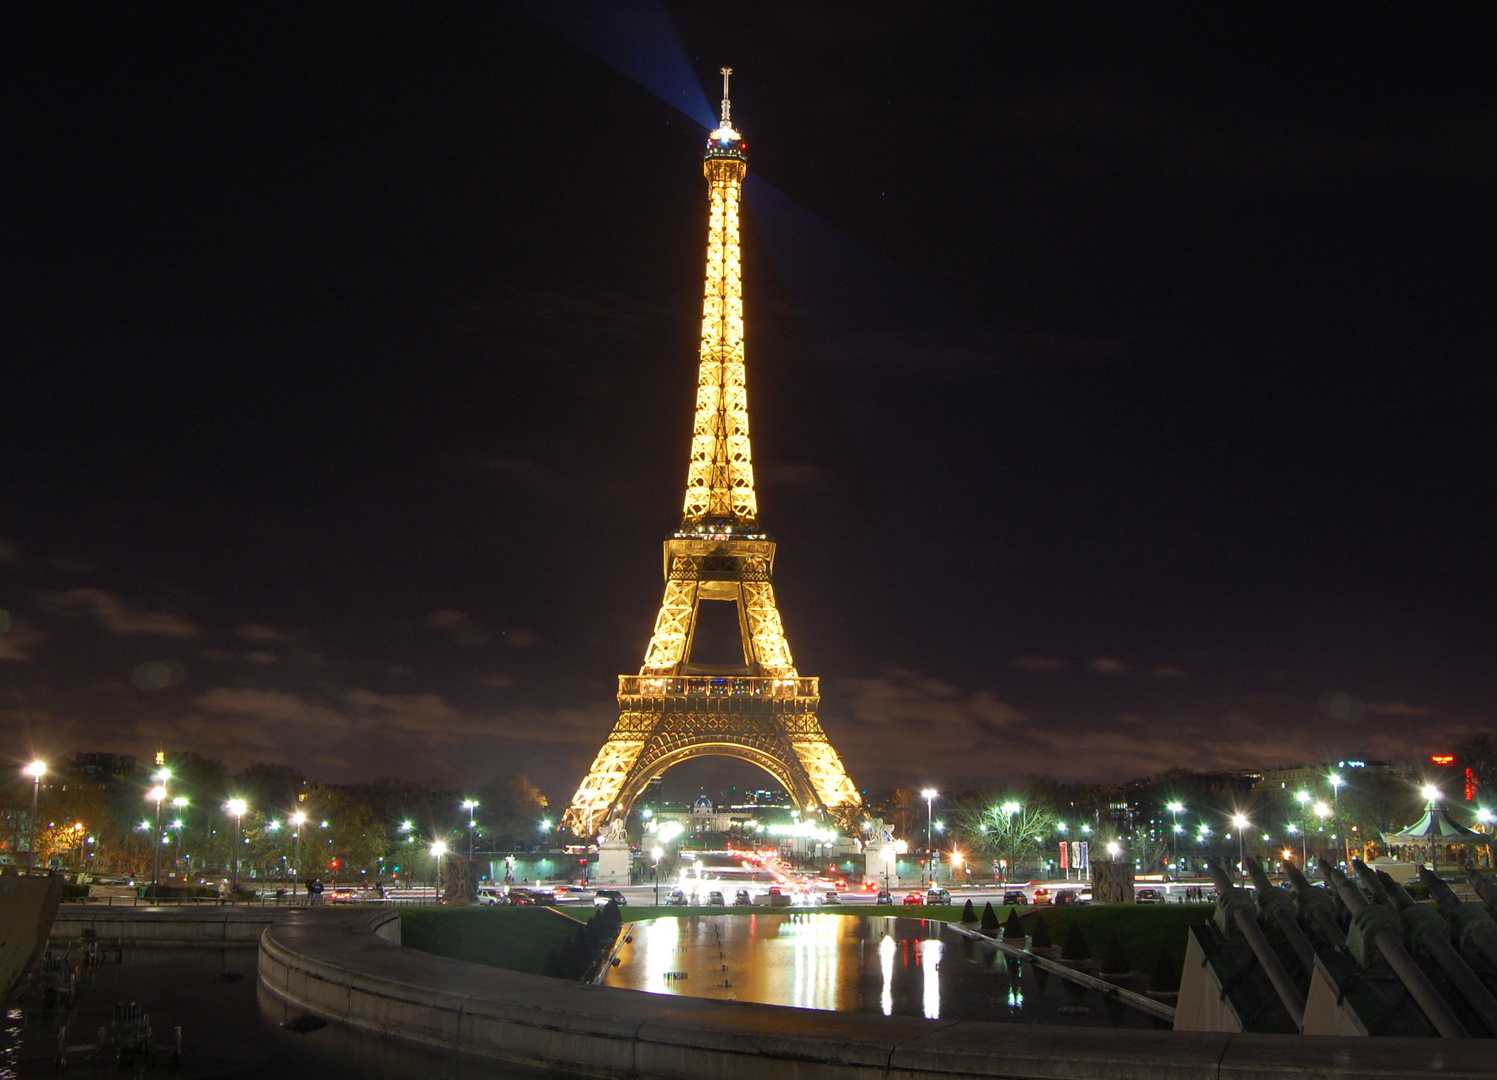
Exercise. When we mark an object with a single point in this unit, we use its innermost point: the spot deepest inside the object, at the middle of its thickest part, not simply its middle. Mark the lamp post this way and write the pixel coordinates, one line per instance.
(1304, 850)
(36, 770)
(1322, 811)
(655, 854)
(297, 820)
(468, 805)
(1010, 809)
(1432, 795)
(439, 849)
(237, 807)
(1175, 809)
(928, 795)
(158, 793)
(1241, 824)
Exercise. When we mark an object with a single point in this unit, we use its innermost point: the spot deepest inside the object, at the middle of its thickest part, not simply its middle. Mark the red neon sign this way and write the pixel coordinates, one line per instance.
(1443, 759)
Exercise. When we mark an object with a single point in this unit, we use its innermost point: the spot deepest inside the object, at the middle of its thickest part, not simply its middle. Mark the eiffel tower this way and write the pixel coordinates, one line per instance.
(761, 710)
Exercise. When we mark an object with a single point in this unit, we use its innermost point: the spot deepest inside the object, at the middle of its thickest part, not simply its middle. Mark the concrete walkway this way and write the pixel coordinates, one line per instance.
(348, 966)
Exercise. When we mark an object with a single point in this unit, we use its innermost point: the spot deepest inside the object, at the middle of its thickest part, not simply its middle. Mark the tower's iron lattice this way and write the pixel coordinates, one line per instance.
(674, 710)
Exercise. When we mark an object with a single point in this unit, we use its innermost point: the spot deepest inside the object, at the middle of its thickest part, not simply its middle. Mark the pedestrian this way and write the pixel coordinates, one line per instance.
(316, 890)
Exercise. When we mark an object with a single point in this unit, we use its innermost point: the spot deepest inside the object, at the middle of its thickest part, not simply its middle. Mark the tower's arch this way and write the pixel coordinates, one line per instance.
(804, 798)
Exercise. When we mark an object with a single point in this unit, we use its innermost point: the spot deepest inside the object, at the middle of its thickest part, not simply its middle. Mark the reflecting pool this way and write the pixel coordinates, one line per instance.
(855, 963)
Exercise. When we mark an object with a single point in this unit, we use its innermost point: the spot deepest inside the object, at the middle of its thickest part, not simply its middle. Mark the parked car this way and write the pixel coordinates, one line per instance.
(884, 897)
(1041, 896)
(602, 896)
(833, 896)
(938, 896)
(1148, 896)
(741, 897)
(1065, 896)
(914, 899)
(1015, 898)
(491, 896)
(715, 899)
(677, 898)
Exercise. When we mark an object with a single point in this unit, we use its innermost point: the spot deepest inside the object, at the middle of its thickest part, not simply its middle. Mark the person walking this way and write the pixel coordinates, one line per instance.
(315, 891)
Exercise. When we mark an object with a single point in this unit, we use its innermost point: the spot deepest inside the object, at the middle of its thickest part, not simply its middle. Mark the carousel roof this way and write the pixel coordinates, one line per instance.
(1435, 827)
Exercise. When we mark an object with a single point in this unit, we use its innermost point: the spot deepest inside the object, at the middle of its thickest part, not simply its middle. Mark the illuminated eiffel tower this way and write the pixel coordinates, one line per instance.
(674, 710)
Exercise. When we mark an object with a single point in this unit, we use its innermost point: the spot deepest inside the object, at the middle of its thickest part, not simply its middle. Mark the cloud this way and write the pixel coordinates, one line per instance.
(499, 681)
(1165, 671)
(261, 633)
(8, 551)
(1397, 708)
(1040, 665)
(462, 628)
(18, 639)
(114, 615)
(1106, 665)
(257, 657)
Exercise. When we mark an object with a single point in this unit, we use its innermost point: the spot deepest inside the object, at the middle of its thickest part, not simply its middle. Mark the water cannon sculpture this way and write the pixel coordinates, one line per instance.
(1357, 957)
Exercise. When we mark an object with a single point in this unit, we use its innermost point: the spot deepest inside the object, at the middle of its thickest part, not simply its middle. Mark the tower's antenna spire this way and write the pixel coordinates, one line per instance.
(727, 105)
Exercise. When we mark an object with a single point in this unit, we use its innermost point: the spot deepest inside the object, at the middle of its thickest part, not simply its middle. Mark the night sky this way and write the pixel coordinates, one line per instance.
(1121, 380)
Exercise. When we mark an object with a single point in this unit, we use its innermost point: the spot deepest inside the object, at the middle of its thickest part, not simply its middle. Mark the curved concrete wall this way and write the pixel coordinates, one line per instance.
(168, 924)
(348, 966)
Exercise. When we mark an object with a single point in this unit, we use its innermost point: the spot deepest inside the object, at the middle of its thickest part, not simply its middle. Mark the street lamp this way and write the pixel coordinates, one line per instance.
(1431, 796)
(1304, 854)
(928, 795)
(237, 807)
(158, 793)
(1240, 823)
(297, 820)
(468, 805)
(36, 770)
(1175, 809)
(655, 854)
(439, 849)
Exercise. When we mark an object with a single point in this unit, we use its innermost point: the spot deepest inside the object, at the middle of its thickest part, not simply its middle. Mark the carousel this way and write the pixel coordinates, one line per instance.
(1438, 834)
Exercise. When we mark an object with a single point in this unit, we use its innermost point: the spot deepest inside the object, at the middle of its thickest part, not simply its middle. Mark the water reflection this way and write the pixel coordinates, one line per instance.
(886, 951)
(852, 963)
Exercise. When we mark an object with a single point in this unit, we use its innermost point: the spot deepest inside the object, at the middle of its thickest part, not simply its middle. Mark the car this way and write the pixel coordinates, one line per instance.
(914, 899)
(1015, 898)
(884, 897)
(1148, 896)
(602, 897)
(741, 897)
(833, 896)
(715, 899)
(491, 896)
(1065, 896)
(1042, 896)
(938, 896)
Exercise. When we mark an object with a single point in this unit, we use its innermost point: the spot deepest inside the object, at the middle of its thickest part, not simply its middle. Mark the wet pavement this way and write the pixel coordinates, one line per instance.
(856, 963)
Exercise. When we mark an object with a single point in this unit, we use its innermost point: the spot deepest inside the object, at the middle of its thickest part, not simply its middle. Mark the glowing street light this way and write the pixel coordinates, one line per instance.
(237, 807)
(929, 795)
(439, 849)
(158, 794)
(1336, 783)
(1240, 823)
(297, 820)
(1175, 809)
(468, 805)
(655, 854)
(36, 770)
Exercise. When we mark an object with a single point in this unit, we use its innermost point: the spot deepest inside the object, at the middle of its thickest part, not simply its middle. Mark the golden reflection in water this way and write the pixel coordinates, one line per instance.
(930, 976)
(886, 951)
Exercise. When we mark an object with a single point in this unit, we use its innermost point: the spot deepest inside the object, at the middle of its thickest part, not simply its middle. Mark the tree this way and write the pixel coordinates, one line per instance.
(999, 825)
(510, 809)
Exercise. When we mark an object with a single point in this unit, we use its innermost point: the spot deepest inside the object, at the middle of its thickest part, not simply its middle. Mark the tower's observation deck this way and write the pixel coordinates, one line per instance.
(759, 710)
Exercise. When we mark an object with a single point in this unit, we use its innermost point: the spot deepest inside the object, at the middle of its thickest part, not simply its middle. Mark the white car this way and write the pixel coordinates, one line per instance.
(491, 896)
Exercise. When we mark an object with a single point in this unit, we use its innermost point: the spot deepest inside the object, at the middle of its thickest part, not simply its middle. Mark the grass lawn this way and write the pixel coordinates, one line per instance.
(517, 938)
(1142, 929)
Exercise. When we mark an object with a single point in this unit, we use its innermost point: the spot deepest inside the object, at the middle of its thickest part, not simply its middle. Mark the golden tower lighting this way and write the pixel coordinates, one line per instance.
(761, 711)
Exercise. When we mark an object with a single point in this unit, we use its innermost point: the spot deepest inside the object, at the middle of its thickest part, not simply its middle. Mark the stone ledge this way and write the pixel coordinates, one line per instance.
(346, 966)
(168, 924)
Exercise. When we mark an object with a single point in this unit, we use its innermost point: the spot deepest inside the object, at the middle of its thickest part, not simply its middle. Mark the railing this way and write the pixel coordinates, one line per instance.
(717, 686)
